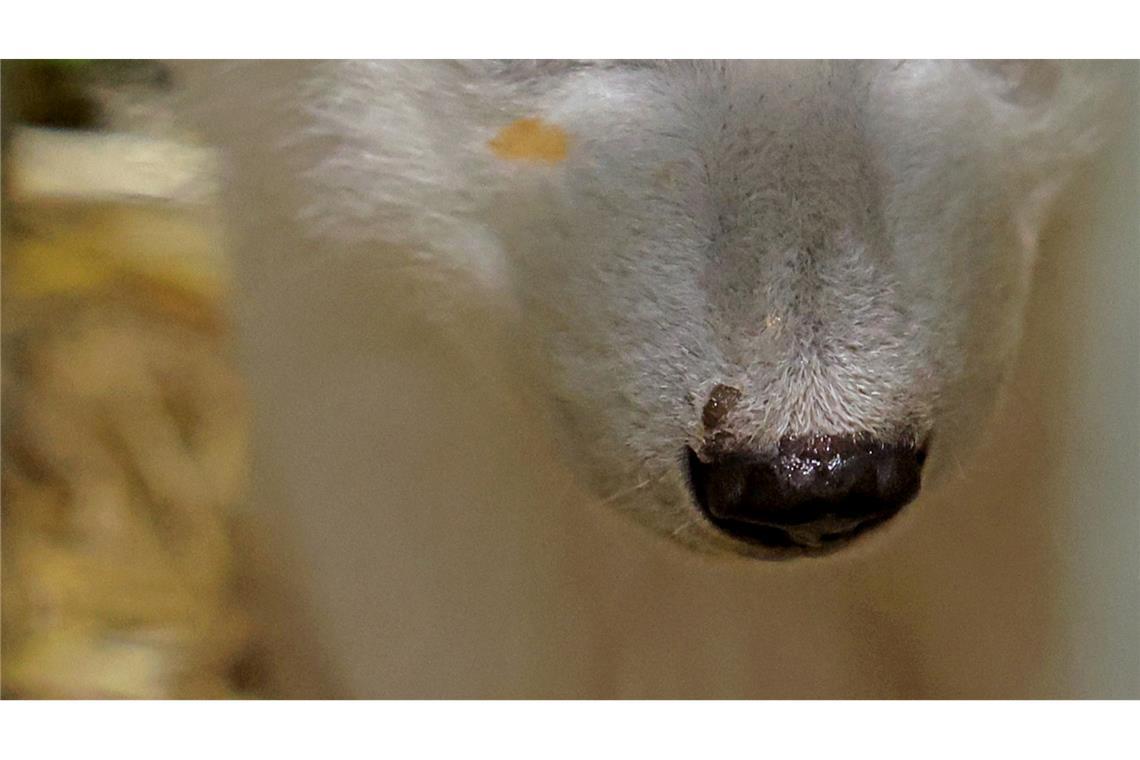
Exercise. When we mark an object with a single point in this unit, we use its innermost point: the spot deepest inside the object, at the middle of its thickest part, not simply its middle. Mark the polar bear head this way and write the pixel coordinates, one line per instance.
(761, 302)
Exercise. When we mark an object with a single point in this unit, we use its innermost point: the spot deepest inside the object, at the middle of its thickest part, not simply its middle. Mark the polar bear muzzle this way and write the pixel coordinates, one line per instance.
(813, 493)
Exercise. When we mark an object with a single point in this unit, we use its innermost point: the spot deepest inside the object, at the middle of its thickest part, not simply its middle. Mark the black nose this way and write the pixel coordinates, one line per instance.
(812, 491)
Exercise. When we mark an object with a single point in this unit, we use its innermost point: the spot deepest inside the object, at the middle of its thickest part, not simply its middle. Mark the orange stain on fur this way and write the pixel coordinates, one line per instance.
(531, 140)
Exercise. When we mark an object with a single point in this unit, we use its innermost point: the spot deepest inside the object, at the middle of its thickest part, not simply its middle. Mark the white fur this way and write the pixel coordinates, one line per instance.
(849, 244)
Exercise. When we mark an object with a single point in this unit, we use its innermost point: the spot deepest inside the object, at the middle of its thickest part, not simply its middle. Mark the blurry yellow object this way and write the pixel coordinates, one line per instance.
(39, 272)
(124, 457)
(83, 660)
(75, 250)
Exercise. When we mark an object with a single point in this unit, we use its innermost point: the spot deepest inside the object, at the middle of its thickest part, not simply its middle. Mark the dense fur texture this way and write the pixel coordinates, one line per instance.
(849, 245)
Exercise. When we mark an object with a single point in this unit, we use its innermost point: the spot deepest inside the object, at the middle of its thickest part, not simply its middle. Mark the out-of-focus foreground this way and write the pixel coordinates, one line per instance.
(124, 433)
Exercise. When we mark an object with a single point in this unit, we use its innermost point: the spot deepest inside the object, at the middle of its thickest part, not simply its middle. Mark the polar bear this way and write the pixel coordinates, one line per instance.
(756, 296)
(756, 306)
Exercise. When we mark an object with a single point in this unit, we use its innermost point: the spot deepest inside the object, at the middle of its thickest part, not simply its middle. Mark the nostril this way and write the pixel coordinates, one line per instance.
(810, 491)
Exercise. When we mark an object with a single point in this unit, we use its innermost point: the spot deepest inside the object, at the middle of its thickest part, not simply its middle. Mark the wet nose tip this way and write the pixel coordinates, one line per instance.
(812, 491)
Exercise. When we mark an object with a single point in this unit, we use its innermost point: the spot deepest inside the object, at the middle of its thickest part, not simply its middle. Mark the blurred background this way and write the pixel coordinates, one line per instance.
(124, 421)
(132, 538)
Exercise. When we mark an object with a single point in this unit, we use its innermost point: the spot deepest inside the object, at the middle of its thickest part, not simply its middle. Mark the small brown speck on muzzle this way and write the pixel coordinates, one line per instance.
(721, 401)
